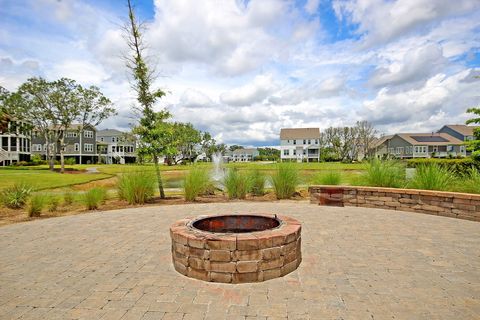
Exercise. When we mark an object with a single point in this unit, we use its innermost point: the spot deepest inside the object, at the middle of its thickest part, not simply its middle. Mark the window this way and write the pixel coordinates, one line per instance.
(391, 150)
(449, 148)
(294, 141)
(88, 134)
(294, 152)
(399, 150)
(45, 147)
(304, 141)
(462, 149)
(420, 149)
(101, 139)
(308, 141)
(285, 152)
(288, 141)
(37, 147)
(316, 141)
(88, 147)
(71, 134)
(76, 147)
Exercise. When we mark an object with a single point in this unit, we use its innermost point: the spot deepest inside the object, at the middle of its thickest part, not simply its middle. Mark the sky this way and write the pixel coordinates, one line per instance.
(244, 69)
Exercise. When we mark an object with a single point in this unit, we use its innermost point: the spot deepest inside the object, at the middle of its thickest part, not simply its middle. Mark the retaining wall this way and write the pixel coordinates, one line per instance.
(448, 204)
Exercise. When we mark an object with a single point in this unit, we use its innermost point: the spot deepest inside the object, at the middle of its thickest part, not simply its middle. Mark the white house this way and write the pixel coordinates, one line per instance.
(15, 141)
(244, 155)
(300, 144)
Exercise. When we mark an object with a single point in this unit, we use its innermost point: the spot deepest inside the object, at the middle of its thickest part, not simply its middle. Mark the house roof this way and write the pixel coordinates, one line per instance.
(109, 132)
(429, 139)
(462, 129)
(299, 133)
(381, 140)
(244, 151)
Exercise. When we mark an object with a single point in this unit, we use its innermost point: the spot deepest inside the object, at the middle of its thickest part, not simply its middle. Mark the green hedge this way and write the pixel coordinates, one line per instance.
(458, 166)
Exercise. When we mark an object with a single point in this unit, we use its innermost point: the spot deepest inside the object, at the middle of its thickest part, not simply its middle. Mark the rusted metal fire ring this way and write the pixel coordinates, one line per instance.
(245, 255)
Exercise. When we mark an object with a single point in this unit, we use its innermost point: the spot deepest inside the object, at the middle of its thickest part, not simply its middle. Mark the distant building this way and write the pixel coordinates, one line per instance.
(15, 141)
(300, 144)
(114, 146)
(80, 144)
(419, 145)
(244, 155)
(460, 131)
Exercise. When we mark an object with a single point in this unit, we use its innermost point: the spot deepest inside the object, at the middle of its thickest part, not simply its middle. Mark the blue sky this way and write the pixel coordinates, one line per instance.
(244, 69)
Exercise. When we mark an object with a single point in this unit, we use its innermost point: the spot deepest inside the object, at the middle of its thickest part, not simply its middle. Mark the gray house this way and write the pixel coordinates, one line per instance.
(15, 141)
(460, 131)
(419, 145)
(80, 144)
(115, 146)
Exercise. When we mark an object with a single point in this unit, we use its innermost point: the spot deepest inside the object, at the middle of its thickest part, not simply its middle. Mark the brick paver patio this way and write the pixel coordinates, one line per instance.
(358, 263)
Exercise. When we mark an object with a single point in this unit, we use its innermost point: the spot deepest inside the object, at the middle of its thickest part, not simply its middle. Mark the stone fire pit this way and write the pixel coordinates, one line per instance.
(236, 248)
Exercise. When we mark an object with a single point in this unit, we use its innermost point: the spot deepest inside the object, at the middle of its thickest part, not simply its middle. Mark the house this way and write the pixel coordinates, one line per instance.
(419, 145)
(15, 141)
(244, 155)
(300, 144)
(460, 131)
(80, 144)
(114, 146)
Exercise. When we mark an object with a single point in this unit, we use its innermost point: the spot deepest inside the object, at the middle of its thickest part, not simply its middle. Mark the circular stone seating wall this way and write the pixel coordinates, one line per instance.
(448, 204)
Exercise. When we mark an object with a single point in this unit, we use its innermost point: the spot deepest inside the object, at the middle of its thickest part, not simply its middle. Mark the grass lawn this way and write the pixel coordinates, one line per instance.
(41, 179)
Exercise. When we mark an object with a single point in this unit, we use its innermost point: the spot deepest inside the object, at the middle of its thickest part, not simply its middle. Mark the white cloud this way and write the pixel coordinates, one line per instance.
(257, 91)
(83, 71)
(192, 98)
(311, 6)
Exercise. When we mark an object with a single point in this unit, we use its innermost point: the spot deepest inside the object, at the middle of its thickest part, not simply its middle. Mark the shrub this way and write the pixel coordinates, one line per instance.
(196, 182)
(16, 196)
(256, 182)
(68, 198)
(136, 187)
(384, 173)
(93, 197)
(285, 180)
(432, 177)
(458, 166)
(53, 204)
(236, 184)
(329, 178)
(35, 206)
(70, 161)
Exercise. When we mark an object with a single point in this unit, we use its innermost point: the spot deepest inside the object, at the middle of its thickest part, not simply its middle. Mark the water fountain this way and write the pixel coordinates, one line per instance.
(218, 172)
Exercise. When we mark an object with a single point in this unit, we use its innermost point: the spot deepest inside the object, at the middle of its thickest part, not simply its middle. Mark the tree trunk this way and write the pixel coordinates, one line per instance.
(159, 177)
(62, 157)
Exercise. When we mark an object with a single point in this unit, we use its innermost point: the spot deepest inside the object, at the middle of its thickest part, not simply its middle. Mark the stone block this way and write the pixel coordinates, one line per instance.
(225, 267)
(271, 274)
(247, 266)
(247, 243)
(271, 264)
(196, 242)
(247, 255)
(180, 258)
(198, 253)
(180, 267)
(197, 274)
(220, 255)
(289, 267)
(224, 243)
(196, 263)
(245, 277)
(180, 248)
(220, 277)
(272, 253)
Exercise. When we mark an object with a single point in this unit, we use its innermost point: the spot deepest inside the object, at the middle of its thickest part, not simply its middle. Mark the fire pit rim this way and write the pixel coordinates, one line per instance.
(278, 218)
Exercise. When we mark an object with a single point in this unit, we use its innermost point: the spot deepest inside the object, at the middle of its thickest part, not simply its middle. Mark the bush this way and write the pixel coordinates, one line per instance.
(458, 166)
(53, 204)
(36, 204)
(256, 182)
(68, 198)
(285, 180)
(384, 173)
(136, 187)
(16, 196)
(196, 182)
(70, 161)
(432, 177)
(329, 178)
(471, 181)
(93, 197)
(236, 184)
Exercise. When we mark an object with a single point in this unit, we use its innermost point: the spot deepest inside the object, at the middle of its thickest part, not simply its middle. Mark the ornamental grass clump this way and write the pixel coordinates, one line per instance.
(68, 198)
(471, 181)
(257, 180)
(386, 173)
(196, 182)
(330, 178)
(432, 177)
(236, 184)
(35, 205)
(94, 197)
(136, 187)
(285, 180)
(16, 196)
(53, 202)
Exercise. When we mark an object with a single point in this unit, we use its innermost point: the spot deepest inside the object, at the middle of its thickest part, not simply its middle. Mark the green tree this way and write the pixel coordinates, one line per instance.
(153, 129)
(474, 145)
(234, 147)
